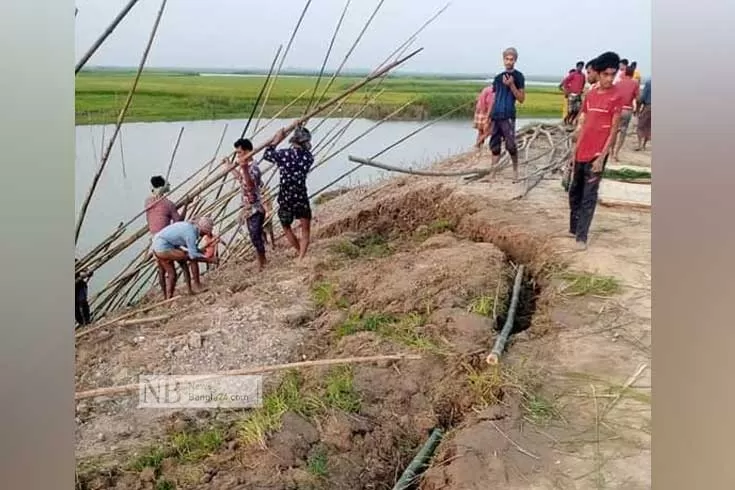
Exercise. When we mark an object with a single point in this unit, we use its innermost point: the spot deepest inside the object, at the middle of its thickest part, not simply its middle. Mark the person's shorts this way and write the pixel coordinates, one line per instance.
(159, 245)
(288, 213)
(503, 130)
(574, 103)
(625, 118)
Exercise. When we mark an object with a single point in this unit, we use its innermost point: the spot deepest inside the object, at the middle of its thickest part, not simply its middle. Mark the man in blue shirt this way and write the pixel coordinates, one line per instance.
(509, 87)
(179, 242)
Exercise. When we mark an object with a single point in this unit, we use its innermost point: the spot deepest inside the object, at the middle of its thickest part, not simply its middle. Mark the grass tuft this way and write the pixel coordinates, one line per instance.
(339, 392)
(366, 246)
(165, 485)
(194, 446)
(406, 329)
(483, 306)
(586, 284)
(151, 457)
(317, 463)
(325, 295)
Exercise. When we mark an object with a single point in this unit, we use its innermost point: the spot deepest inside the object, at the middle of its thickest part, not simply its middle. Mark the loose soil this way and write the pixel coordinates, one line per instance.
(412, 265)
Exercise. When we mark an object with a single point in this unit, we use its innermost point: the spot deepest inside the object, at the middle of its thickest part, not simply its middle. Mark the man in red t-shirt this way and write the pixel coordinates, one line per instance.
(573, 86)
(629, 90)
(598, 124)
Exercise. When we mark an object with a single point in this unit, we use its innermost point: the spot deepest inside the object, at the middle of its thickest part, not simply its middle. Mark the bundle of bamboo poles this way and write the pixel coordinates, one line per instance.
(208, 192)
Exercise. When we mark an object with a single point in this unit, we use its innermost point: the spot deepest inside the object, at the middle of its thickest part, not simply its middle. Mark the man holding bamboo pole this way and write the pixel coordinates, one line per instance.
(252, 213)
(293, 164)
(178, 242)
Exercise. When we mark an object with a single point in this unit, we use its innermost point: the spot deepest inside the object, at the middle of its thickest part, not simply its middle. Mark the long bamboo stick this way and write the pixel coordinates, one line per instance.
(113, 25)
(131, 388)
(120, 119)
(283, 59)
(215, 179)
(173, 154)
(328, 53)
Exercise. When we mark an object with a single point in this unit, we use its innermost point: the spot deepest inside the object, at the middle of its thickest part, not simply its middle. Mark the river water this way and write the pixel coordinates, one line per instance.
(144, 149)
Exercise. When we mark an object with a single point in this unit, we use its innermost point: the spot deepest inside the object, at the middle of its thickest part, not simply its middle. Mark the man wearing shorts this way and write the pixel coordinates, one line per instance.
(644, 117)
(179, 242)
(629, 90)
(293, 164)
(252, 212)
(509, 87)
(573, 86)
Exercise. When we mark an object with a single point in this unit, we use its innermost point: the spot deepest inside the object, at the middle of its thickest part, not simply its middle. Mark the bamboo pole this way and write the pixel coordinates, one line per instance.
(349, 52)
(283, 59)
(120, 119)
(131, 388)
(113, 25)
(326, 56)
(215, 179)
(494, 356)
(173, 154)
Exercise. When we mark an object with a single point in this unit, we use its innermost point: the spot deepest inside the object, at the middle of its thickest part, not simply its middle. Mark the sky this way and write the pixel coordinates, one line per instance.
(468, 37)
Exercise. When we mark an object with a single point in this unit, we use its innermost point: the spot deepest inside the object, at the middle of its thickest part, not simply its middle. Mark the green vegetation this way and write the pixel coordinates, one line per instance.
(405, 329)
(336, 392)
(586, 284)
(483, 306)
(325, 295)
(184, 447)
(317, 463)
(366, 246)
(626, 174)
(186, 96)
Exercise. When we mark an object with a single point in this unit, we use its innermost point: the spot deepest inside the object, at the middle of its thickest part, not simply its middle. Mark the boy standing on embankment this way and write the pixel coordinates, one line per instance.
(293, 164)
(509, 87)
(598, 125)
(252, 212)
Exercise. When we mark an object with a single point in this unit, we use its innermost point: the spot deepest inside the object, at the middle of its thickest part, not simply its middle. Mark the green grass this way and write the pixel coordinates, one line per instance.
(365, 246)
(587, 284)
(405, 329)
(483, 306)
(626, 174)
(165, 485)
(151, 457)
(177, 96)
(317, 464)
(326, 295)
(335, 392)
(195, 446)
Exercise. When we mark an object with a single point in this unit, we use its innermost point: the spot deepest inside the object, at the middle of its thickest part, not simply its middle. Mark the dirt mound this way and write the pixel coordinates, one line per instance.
(442, 273)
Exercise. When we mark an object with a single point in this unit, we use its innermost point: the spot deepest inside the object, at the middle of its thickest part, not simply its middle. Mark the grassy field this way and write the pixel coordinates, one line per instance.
(178, 97)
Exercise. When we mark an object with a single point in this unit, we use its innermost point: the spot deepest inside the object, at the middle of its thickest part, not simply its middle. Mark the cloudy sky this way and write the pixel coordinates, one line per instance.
(469, 37)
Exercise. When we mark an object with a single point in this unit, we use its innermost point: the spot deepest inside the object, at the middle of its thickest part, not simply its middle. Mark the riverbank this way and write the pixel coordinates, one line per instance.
(413, 265)
(189, 97)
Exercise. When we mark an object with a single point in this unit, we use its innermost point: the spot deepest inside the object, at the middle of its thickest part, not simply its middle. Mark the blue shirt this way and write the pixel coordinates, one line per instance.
(505, 102)
(646, 94)
(182, 234)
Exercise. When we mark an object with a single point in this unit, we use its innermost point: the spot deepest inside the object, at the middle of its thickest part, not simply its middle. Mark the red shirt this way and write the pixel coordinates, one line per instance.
(160, 212)
(629, 89)
(574, 83)
(598, 108)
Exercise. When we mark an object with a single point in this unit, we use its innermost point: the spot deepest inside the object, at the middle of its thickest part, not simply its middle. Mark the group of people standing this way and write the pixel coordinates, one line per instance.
(173, 240)
(601, 96)
(179, 241)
